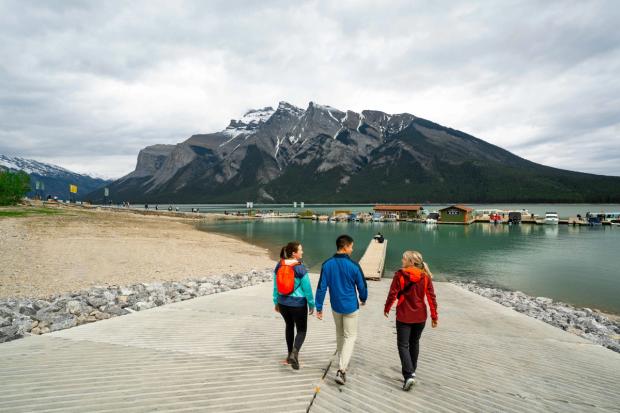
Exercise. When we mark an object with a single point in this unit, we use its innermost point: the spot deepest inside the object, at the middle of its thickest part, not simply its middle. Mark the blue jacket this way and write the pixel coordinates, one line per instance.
(342, 275)
(302, 292)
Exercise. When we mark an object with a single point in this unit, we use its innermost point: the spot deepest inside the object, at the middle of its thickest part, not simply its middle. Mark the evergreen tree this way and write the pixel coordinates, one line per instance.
(13, 186)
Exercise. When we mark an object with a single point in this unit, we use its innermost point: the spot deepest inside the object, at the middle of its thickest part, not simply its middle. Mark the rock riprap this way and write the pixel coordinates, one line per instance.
(585, 322)
(21, 316)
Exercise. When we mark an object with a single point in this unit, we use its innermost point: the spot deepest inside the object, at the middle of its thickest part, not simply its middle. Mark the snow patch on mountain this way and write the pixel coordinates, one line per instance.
(30, 166)
(248, 124)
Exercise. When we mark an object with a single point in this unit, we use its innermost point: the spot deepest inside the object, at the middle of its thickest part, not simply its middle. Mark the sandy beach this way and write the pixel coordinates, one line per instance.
(43, 255)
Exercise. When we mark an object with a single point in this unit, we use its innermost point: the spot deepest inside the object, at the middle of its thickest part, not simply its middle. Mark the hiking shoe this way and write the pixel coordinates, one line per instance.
(341, 377)
(409, 383)
(294, 360)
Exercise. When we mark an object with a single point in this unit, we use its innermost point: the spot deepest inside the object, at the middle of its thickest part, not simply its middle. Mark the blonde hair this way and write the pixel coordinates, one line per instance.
(414, 259)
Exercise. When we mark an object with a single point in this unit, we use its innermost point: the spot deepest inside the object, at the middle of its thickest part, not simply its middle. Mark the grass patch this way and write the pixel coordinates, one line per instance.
(23, 212)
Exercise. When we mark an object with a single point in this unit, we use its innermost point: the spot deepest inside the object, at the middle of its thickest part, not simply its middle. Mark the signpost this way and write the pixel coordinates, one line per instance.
(72, 190)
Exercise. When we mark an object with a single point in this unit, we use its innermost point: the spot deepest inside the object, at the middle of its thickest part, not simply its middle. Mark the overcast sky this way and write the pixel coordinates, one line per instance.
(86, 85)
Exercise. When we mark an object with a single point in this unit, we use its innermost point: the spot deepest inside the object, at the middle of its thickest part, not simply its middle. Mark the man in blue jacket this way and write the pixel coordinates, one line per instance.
(342, 276)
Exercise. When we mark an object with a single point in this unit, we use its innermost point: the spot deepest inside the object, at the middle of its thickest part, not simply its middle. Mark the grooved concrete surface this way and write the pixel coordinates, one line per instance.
(224, 352)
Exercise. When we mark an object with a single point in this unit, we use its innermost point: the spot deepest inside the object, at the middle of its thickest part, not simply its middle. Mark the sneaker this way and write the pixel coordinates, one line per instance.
(293, 359)
(341, 377)
(409, 383)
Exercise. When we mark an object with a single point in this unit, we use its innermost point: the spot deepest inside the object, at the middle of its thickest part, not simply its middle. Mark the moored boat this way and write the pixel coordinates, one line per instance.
(552, 218)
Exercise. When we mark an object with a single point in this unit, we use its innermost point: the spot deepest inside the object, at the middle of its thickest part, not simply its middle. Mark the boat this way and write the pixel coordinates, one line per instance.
(323, 218)
(611, 217)
(364, 217)
(377, 217)
(551, 218)
(495, 218)
(514, 217)
(390, 217)
(432, 218)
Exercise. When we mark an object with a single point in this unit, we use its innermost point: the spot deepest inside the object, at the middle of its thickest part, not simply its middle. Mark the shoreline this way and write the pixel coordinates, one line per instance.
(75, 249)
(593, 325)
(21, 317)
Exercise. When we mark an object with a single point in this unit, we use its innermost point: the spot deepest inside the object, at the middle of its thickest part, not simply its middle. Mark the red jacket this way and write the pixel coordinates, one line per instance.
(411, 307)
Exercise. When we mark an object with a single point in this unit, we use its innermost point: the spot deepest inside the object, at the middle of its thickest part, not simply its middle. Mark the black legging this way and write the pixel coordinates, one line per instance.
(408, 341)
(295, 316)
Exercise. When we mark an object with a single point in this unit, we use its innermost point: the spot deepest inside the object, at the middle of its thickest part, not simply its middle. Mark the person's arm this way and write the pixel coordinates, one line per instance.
(306, 288)
(362, 287)
(432, 301)
(321, 290)
(275, 292)
(395, 288)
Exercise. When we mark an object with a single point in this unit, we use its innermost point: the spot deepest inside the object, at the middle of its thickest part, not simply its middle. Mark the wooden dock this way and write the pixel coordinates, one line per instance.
(373, 261)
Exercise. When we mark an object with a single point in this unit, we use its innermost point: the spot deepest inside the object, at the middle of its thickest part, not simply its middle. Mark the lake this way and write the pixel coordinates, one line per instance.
(578, 265)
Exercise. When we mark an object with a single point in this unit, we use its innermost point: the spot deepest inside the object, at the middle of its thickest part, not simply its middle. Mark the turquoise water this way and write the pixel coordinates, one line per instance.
(578, 265)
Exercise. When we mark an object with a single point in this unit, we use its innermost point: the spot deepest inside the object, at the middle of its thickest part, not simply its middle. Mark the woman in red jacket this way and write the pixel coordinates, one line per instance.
(411, 284)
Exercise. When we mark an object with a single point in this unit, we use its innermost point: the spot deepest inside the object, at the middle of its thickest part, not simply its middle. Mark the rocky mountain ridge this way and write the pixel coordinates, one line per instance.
(323, 154)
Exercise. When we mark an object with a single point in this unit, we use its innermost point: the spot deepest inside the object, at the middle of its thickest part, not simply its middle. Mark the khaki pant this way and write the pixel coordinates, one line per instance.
(346, 334)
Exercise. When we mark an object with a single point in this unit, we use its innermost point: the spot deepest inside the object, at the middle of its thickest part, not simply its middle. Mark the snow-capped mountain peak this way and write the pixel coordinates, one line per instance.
(31, 166)
(250, 121)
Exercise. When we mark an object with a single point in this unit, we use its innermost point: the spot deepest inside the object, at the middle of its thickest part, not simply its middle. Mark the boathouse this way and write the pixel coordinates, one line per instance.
(456, 214)
(402, 211)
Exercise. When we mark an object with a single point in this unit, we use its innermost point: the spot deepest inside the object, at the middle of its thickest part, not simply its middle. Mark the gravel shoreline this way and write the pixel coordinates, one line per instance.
(20, 317)
(587, 323)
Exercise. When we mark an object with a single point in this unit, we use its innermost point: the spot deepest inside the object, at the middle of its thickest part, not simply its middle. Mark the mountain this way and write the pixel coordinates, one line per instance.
(55, 179)
(322, 154)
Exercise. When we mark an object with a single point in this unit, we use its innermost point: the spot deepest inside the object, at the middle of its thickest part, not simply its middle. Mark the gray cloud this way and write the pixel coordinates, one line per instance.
(87, 84)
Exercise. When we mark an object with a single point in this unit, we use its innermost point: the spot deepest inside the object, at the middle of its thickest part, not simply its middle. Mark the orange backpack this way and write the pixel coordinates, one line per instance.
(285, 278)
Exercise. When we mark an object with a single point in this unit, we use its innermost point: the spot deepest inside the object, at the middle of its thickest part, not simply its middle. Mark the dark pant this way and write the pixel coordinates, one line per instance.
(408, 340)
(295, 316)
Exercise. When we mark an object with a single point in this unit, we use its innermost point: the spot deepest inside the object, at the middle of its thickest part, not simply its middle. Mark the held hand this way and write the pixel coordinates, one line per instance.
(276, 308)
(434, 324)
(319, 315)
(311, 311)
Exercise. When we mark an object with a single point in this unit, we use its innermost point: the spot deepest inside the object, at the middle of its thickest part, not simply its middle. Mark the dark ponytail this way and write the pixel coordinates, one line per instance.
(289, 249)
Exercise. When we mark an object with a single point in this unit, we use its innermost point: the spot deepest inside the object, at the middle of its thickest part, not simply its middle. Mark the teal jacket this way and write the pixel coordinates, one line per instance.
(302, 294)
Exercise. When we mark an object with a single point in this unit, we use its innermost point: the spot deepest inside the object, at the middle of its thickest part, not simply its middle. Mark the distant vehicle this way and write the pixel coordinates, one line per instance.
(552, 218)
(432, 218)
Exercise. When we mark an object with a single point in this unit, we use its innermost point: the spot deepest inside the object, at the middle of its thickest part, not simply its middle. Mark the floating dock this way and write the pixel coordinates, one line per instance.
(224, 353)
(373, 261)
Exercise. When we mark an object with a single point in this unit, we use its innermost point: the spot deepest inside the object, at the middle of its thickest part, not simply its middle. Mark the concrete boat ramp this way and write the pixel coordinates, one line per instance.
(225, 352)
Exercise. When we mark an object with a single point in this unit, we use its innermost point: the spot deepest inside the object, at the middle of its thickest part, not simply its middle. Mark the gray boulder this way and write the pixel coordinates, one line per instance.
(9, 333)
(114, 310)
(62, 321)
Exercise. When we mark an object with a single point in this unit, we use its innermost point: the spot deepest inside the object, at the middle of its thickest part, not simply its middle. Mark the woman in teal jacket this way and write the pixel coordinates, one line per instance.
(296, 306)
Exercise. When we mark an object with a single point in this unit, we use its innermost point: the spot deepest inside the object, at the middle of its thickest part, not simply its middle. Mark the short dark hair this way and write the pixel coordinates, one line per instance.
(343, 241)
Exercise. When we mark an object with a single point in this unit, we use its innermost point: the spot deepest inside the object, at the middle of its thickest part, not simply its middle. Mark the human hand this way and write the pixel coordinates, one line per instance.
(435, 323)
(319, 315)
(362, 302)
(311, 311)
(276, 308)
(386, 314)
